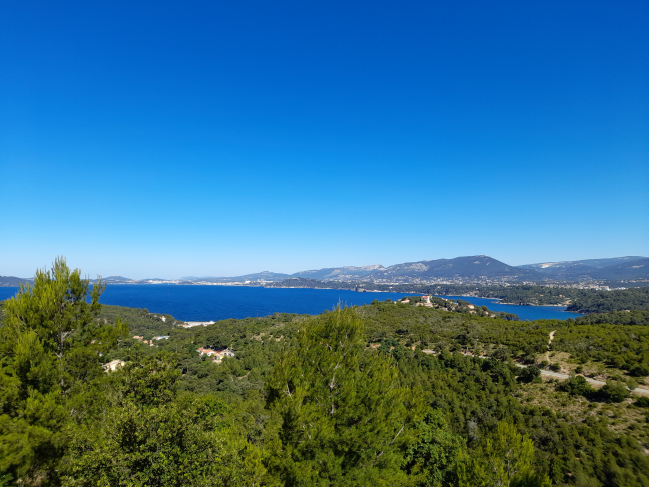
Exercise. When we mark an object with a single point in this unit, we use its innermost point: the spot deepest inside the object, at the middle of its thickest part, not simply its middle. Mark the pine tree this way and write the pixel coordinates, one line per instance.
(346, 421)
(43, 354)
(504, 459)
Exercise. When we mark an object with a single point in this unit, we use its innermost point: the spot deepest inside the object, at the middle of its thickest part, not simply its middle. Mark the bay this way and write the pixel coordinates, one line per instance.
(524, 312)
(205, 303)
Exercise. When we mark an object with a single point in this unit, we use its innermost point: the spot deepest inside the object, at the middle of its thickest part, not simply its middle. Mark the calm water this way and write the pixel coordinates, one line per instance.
(524, 312)
(7, 292)
(204, 303)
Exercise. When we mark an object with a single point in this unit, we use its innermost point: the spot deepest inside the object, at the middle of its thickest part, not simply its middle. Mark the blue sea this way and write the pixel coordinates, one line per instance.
(205, 303)
(524, 312)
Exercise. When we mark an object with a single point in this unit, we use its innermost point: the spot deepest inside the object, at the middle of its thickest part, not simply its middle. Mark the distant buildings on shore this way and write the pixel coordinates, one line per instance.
(190, 324)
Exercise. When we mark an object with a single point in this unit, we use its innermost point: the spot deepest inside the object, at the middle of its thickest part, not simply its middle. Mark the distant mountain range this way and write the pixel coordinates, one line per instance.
(633, 269)
(474, 267)
(618, 268)
(11, 281)
(477, 268)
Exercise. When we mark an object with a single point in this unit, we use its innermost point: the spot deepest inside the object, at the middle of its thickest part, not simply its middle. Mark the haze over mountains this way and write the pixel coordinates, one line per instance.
(487, 269)
(477, 268)
(631, 267)
(11, 281)
(471, 267)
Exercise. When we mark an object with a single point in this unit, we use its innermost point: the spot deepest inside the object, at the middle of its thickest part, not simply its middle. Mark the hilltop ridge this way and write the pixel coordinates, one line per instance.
(467, 269)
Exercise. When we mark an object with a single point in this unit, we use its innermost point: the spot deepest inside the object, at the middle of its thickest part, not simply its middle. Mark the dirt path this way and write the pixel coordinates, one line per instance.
(562, 376)
(547, 354)
(592, 381)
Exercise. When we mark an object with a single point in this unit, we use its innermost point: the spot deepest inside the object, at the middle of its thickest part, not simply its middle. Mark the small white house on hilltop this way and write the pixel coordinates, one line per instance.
(113, 365)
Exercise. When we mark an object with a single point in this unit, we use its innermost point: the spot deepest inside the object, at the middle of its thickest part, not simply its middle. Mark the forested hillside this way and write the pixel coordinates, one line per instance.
(11, 281)
(386, 394)
(635, 269)
(635, 317)
(630, 267)
(607, 301)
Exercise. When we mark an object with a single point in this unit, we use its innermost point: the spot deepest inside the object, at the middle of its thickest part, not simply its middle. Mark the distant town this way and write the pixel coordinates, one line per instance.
(601, 274)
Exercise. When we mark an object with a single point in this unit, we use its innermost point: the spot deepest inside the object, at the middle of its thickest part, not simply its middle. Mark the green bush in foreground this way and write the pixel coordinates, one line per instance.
(163, 442)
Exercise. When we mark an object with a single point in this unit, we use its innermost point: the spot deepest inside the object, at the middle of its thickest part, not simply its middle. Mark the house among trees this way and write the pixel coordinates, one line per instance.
(215, 355)
(113, 365)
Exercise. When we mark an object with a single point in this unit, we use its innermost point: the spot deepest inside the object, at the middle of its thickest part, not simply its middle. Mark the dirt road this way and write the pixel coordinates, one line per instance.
(558, 375)
(599, 383)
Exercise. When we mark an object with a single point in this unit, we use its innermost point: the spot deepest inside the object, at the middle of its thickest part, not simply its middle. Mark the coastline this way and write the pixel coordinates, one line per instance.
(530, 304)
(362, 290)
(500, 301)
(494, 300)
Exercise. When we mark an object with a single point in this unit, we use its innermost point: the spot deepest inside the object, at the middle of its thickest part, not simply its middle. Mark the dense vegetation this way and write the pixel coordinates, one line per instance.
(634, 317)
(351, 397)
(607, 301)
(621, 346)
(515, 294)
(140, 321)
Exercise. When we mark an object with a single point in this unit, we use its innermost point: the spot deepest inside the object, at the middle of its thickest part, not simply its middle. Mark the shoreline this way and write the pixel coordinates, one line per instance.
(494, 300)
(500, 301)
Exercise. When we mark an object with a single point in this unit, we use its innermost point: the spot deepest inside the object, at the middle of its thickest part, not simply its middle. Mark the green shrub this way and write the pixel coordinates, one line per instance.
(502, 353)
(529, 374)
(576, 386)
(614, 391)
(642, 402)
(640, 370)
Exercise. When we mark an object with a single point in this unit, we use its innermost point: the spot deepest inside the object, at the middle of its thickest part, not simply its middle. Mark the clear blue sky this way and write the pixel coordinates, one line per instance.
(165, 139)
